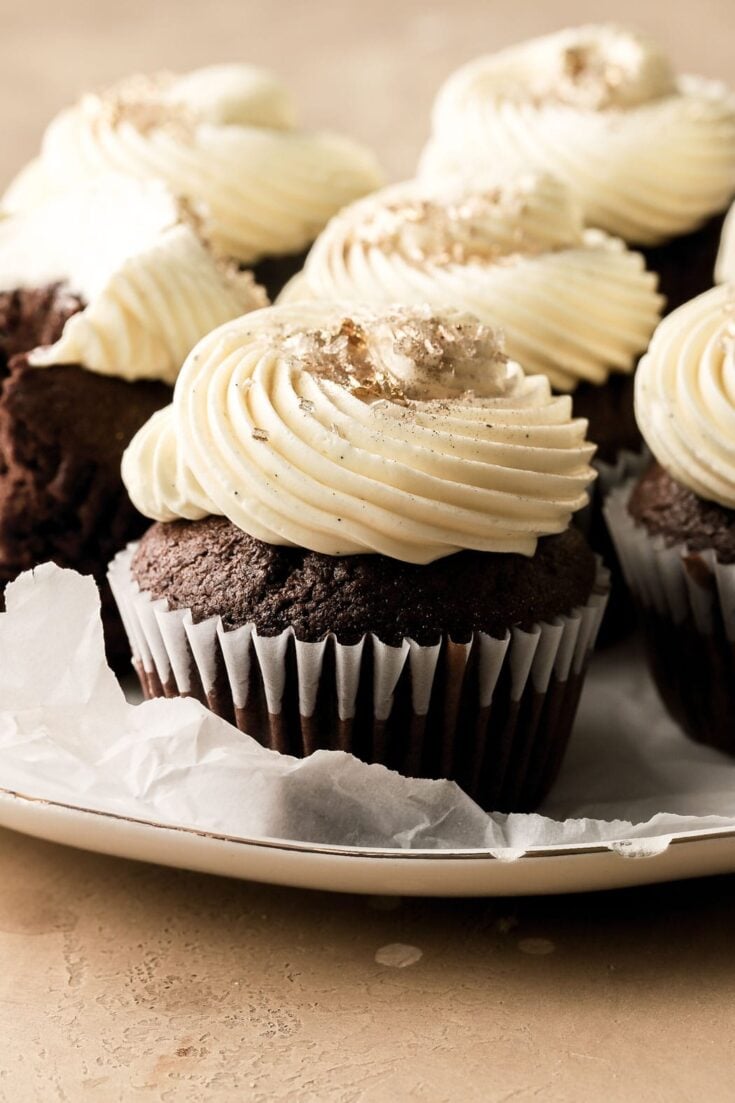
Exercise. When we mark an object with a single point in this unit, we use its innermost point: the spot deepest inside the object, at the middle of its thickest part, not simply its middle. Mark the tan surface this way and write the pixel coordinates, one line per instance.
(124, 982)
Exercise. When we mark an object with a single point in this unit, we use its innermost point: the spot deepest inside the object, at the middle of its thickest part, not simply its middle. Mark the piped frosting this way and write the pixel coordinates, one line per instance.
(348, 430)
(574, 304)
(132, 253)
(650, 156)
(685, 395)
(225, 139)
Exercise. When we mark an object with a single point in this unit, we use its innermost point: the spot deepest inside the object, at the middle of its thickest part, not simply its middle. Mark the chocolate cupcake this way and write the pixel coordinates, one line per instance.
(225, 139)
(363, 544)
(675, 528)
(650, 156)
(103, 292)
(574, 304)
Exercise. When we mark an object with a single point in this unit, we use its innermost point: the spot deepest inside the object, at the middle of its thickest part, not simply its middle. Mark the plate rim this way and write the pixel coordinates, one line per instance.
(485, 854)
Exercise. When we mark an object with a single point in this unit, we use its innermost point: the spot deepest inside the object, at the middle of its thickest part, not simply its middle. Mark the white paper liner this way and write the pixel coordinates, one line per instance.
(163, 642)
(630, 782)
(425, 710)
(628, 465)
(659, 574)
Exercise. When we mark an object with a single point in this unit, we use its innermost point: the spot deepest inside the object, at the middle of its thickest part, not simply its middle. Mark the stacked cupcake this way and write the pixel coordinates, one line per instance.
(224, 138)
(363, 543)
(650, 156)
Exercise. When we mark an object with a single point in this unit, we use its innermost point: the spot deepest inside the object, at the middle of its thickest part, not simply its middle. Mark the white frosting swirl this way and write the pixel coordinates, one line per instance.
(574, 304)
(650, 157)
(330, 427)
(725, 264)
(130, 251)
(685, 395)
(221, 137)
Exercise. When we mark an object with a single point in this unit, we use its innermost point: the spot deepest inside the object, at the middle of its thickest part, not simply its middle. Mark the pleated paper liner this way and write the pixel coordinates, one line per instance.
(620, 619)
(686, 601)
(493, 714)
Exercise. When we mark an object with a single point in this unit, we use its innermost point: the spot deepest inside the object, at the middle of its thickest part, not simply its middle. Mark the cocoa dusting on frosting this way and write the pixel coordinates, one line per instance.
(452, 230)
(588, 78)
(141, 102)
(607, 70)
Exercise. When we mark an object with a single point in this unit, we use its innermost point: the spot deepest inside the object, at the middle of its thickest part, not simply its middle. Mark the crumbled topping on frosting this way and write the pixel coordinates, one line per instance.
(403, 355)
(604, 69)
(497, 224)
(459, 228)
(142, 102)
(594, 68)
(588, 78)
(343, 355)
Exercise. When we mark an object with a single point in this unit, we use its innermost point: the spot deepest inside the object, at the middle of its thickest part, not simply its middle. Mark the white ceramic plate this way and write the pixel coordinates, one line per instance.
(578, 868)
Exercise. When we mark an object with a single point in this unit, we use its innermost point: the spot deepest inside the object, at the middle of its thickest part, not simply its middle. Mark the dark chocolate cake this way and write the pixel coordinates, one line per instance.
(215, 569)
(63, 430)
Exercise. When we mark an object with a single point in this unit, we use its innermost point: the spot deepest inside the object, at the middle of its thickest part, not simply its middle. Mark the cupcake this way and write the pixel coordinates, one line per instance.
(574, 304)
(225, 139)
(650, 156)
(675, 527)
(363, 543)
(103, 292)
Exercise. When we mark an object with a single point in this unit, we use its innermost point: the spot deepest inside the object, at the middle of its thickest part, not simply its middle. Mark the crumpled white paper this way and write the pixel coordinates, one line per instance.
(68, 734)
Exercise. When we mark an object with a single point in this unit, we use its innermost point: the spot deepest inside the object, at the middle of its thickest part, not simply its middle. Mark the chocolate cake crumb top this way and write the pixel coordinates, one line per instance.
(29, 318)
(215, 569)
(668, 509)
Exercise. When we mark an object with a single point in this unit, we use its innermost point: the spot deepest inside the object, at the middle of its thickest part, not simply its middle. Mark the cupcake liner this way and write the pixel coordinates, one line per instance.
(493, 714)
(686, 601)
(620, 619)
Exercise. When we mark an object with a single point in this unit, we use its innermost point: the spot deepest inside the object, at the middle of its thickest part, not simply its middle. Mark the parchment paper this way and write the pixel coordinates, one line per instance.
(67, 733)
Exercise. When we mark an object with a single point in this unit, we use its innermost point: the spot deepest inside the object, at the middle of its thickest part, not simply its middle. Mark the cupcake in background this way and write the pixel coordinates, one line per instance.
(725, 264)
(649, 155)
(674, 528)
(225, 139)
(103, 292)
(573, 303)
(363, 543)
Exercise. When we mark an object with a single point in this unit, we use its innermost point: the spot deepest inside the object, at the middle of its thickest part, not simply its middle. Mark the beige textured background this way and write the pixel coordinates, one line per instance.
(126, 982)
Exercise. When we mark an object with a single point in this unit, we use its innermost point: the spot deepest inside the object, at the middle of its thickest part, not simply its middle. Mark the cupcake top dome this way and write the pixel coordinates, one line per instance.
(574, 304)
(132, 253)
(224, 138)
(345, 429)
(685, 395)
(649, 155)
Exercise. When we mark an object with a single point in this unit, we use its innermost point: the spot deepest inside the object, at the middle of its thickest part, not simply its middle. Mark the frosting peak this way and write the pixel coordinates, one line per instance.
(348, 430)
(685, 395)
(648, 155)
(403, 354)
(223, 137)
